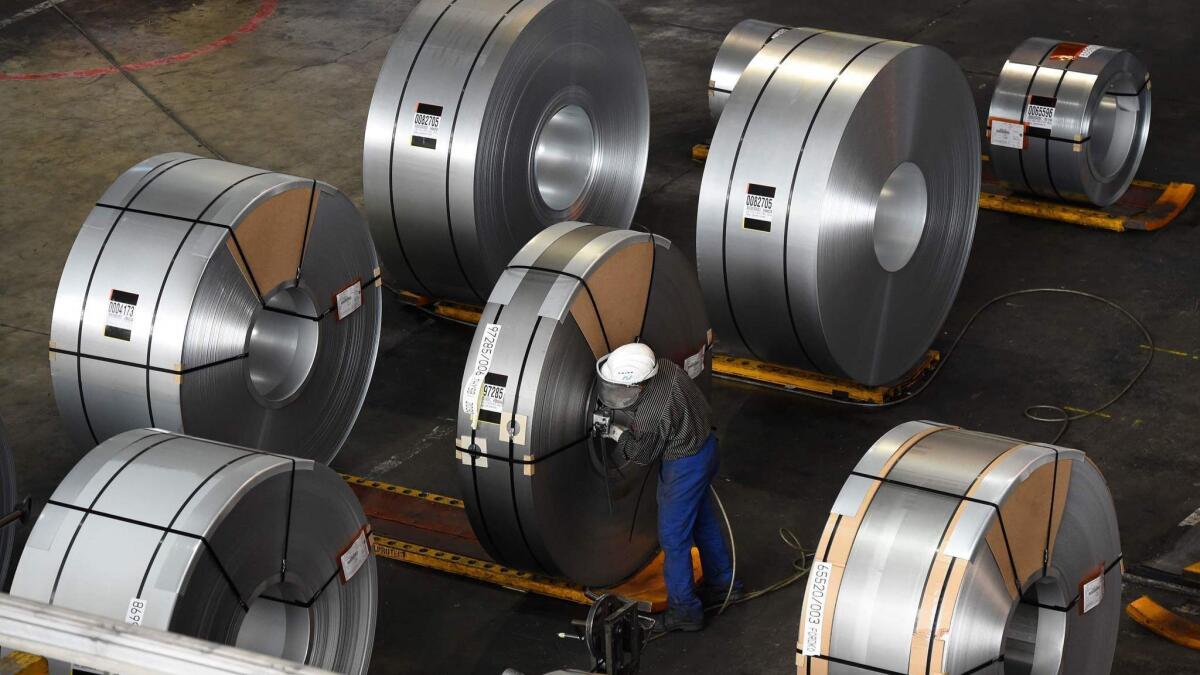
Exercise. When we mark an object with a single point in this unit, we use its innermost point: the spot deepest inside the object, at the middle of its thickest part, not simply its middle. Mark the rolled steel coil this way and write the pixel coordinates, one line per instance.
(952, 551)
(737, 50)
(8, 503)
(838, 204)
(1069, 120)
(492, 120)
(246, 548)
(217, 300)
(539, 489)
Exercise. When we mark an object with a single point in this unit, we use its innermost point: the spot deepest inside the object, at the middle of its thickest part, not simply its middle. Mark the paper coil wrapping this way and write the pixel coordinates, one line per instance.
(951, 551)
(492, 120)
(838, 204)
(533, 480)
(737, 50)
(218, 300)
(246, 548)
(1069, 120)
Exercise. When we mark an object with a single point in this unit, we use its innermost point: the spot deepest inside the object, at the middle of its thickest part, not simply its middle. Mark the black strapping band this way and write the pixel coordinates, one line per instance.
(885, 671)
(157, 369)
(474, 451)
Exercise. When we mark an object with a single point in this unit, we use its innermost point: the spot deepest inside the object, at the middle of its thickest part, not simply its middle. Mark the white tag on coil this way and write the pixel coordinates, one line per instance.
(815, 599)
(136, 612)
(352, 559)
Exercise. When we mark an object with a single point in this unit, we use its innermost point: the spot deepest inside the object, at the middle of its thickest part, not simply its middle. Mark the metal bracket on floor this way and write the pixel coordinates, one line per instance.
(1145, 206)
(775, 376)
(430, 530)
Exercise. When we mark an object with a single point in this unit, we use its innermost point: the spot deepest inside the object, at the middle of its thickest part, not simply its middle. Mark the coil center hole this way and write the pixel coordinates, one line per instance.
(564, 156)
(900, 214)
(1035, 635)
(1114, 125)
(282, 347)
(276, 628)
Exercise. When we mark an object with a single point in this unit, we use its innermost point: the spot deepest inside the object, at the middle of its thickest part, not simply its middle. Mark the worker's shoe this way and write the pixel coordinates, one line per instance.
(675, 619)
(713, 595)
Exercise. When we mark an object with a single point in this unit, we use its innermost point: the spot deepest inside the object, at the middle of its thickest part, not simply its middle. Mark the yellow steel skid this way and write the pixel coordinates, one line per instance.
(1164, 622)
(749, 370)
(20, 663)
(407, 492)
(480, 570)
(782, 377)
(451, 310)
(1172, 199)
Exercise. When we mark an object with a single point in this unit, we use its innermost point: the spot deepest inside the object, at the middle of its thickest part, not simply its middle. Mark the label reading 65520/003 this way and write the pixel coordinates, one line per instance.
(426, 123)
(759, 208)
(813, 623)
(121, 308)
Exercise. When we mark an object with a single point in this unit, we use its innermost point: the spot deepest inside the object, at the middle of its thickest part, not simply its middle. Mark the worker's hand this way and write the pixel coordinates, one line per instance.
(614, 431)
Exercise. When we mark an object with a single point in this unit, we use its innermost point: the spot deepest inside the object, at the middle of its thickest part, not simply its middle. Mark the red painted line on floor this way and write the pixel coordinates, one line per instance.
(265, 10)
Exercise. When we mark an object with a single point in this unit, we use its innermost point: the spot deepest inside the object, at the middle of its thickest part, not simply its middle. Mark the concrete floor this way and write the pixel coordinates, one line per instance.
(293, 96)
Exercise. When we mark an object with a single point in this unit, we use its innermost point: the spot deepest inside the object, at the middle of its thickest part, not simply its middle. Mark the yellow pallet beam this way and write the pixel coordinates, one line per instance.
(20, 663)
(748, 370)
(782, 377)
(1164, 622)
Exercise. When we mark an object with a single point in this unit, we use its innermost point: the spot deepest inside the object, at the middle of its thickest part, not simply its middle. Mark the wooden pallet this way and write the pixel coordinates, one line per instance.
(432, 531)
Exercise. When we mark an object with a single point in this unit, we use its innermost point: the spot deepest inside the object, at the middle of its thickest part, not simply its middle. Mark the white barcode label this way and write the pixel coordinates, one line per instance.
(1093, 593)
(349, 299)
(1088, 51)
(352, 559)
(1040, 116)
(759, 208)
(136, 612)
(122, 306)
(426, 122)
(1008, 134)
(814, 607)
(480, 367)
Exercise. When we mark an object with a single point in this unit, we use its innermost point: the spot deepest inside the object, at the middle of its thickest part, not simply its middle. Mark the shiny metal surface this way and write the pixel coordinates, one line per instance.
(966, 553)
(217, 274)
(538, 489)
(8, 502)
(838, 204)
(213, 541)
(492, 120)
(737, 50)
(99, 645)
(1090, 148)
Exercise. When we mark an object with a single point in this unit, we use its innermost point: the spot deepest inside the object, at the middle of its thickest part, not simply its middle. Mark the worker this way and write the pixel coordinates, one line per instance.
(659, 412)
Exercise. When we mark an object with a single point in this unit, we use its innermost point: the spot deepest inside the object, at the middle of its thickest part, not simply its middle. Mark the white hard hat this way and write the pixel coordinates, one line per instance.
(628, 364)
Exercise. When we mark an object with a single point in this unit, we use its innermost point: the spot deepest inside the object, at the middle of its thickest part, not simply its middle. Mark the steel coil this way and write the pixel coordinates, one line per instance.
(8, 504)
(492, 120)
(951, 551)
(840, 192)
(539, 491)
(736, 51)
(1069, 120)
(217, 300)
(256, 550)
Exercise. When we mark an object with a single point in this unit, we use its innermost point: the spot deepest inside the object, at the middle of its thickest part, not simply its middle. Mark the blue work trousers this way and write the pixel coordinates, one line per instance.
(687, 515)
